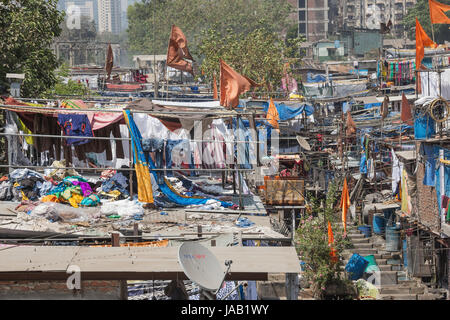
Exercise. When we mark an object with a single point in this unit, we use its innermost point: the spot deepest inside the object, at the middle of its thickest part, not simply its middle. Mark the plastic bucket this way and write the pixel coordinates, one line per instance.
(378, 223)
(366, 230)
(389, 217)
(392, 239)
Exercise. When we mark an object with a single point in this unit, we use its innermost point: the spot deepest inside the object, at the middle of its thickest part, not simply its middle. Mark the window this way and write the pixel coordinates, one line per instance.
(302, 16)
(302, 28)
(301, 4)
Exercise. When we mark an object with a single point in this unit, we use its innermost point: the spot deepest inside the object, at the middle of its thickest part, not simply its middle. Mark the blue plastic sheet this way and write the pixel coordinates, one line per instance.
(289, 112)
(312, 78)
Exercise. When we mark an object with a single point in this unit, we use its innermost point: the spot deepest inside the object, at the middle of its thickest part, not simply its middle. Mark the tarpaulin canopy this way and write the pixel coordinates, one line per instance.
(286, 112)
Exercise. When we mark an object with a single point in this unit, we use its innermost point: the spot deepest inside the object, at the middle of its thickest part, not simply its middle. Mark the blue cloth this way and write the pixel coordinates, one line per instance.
(431, 154)
(157, 146)
(446, 178)
(363, 164)
(289, 112)
(116, 182)
(163, 187)
(75, 125)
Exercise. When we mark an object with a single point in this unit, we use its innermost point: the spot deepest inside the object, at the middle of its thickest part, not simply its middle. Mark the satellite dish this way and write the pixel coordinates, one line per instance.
(201, 266)
(303, 143)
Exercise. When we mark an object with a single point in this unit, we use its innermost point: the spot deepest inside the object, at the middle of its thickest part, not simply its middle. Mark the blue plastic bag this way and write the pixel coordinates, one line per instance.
(356, 266)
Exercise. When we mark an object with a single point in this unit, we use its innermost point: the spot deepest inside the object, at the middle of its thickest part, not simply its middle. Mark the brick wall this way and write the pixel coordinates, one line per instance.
(427, 209)
(48, 290)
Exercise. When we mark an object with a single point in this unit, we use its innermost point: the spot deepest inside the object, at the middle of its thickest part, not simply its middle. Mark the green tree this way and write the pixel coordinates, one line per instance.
(62, 88)
(312, 243)
(28, 28)
(422, 11)
(259, 55)
(150, 21)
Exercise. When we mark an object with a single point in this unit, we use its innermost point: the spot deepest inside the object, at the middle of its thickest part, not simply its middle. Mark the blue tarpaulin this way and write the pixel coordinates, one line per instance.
(286, 112)
(312, 78)
(372, 105)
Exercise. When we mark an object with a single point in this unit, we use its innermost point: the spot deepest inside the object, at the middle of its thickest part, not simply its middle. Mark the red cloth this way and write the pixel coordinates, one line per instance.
(422, 41)
(406, 115)
(232, 85)
(103, 119)
(215, 94)
(437, 12)
(109, 61)
(178, 51)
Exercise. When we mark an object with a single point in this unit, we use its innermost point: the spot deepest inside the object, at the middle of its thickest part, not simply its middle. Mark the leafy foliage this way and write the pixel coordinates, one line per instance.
(28, 28)
(312, 242)
(422, 12)
(259, 55)
(150, 21)
(71, 88)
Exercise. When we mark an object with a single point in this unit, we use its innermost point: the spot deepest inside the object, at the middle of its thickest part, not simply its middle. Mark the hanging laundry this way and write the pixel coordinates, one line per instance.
(75, 125)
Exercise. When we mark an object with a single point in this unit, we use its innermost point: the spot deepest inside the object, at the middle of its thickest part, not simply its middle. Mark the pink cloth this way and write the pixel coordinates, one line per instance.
(103, 119)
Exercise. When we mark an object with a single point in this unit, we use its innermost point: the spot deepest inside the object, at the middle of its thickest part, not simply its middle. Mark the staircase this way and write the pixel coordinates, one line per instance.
(394, 281)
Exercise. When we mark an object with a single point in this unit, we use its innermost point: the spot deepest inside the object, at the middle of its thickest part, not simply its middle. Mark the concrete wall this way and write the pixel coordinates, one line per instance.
(57, 290)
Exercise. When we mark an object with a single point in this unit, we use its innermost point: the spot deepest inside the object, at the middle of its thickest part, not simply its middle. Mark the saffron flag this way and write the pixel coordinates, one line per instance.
(437, 12)
(272, 115)
(178, 51)
(422, 41)
(345, 204)
(232, 85)
(109, 61)
(406, 115)
(350, 124)
(215, 95)
(331, 242)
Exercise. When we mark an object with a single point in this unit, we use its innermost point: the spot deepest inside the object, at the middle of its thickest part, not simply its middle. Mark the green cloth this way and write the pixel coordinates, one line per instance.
(372, 266)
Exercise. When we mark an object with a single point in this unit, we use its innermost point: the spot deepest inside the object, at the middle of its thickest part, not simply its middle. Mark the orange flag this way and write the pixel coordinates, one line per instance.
(331, 242)
(345, 204)
(178, 51)
(232, 85)
(109, 61)
(272, 115)
(215, 95)
(350, 124)
(406, 115)
(422, 40)
(437, 12)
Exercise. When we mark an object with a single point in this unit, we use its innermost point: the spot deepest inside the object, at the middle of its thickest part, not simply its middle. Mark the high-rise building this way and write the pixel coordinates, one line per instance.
(87, 8)
(109, 16)
(312, 18)
(368, 14)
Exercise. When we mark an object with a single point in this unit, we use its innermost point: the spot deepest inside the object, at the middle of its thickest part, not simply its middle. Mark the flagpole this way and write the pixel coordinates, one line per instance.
(431, 21)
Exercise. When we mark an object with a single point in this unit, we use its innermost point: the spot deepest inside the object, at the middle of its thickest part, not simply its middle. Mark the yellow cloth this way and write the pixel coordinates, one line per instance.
(145, 191)
(345, 203)
(50, 198)
(25, 130)
(406, 199)
(75, 200)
